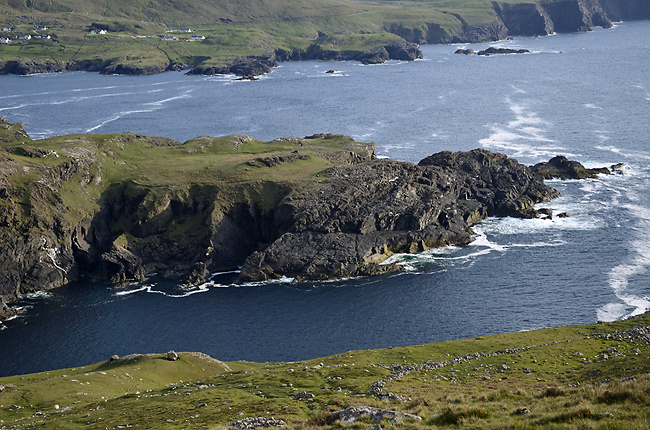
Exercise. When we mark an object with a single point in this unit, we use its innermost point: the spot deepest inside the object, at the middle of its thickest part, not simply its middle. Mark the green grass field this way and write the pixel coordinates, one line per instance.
(587, 377)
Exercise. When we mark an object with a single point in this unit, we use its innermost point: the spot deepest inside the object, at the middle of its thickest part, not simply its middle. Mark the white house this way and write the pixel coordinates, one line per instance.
(98, 32)
(24, 37)
(4, 40)
(40, 28)
(166, 37)
(6, 29)
(185, 30)
(198, 38)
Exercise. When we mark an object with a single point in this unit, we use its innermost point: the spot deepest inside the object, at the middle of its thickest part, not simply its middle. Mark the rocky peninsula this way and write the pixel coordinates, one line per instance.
(122, 206)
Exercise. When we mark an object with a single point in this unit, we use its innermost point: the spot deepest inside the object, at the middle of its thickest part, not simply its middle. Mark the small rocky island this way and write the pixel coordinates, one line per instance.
(122, 206)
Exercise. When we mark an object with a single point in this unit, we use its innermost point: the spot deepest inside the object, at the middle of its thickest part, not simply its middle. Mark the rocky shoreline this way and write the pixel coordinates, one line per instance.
(345, 222)
(508, 20)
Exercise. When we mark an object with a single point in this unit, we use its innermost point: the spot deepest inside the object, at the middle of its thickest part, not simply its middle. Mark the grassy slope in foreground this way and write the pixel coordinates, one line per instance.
(589, 377)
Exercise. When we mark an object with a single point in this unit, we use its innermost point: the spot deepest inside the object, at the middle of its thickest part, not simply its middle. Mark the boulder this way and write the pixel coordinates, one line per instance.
(172, 356)
(303, 395)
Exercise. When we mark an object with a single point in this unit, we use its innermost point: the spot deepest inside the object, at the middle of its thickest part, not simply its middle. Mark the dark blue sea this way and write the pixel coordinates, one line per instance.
(586, 96)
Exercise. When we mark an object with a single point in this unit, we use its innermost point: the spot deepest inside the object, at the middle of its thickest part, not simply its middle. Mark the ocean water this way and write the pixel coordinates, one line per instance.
(585, 96)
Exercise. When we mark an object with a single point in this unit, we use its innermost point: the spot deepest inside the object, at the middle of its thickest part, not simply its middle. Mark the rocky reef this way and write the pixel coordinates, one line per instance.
(320, 207)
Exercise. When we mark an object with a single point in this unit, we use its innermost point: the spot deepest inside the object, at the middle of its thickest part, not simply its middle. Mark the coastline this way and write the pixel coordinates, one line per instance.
(394, 40)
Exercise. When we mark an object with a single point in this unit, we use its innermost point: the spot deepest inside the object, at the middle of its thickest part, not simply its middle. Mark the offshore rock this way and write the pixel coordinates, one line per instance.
(492, 51)
(561, 168)
(361, 214)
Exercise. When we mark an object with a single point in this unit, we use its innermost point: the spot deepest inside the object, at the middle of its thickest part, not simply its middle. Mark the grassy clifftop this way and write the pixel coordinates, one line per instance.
(80, 205)
(590, 377)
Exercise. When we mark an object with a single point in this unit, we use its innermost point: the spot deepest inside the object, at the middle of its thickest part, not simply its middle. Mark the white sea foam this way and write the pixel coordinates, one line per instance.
(624, 153)
(116, 117)
(283, 280)
(38, 295)
(187, 291)
(634, 267)
(525, 136)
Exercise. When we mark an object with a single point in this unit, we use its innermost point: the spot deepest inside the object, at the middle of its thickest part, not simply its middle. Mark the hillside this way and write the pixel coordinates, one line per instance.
(589, 377)
(227, 36)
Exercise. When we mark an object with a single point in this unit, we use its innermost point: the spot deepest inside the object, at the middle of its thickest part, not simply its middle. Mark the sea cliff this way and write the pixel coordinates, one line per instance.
(122, 206)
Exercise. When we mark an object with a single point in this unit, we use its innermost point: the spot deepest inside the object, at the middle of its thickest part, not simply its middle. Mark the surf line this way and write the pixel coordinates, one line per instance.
(621, 274)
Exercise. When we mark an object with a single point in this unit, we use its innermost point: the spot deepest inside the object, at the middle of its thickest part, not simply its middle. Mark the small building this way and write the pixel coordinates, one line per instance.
(24, 37)
(168, 38)
(98, 32)
(4, 40)
(185, 30)
(197, 38)
(40, 28)
(6, 29)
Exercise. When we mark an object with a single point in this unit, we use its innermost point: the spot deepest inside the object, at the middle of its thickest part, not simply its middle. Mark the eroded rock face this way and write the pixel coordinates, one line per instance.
(348, 224)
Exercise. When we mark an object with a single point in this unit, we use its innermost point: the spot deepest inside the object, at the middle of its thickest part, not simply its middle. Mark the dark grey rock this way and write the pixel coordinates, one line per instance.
(560, 167)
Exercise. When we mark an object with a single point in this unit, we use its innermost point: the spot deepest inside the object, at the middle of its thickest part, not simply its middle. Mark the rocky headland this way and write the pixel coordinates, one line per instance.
(114, 207)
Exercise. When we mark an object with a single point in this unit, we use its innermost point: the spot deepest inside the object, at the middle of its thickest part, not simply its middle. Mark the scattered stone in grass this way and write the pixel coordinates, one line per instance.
(354, 413)
(522, 411)
(303, 395)
(253, 423)
(503, 368)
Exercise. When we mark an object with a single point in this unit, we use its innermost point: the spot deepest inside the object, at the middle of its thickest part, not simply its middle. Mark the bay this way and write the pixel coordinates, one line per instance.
(581, 95)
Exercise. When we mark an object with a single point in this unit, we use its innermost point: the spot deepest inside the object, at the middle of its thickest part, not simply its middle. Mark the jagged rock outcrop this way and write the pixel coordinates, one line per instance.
(363, 213)
(525, 19)
(576, 15)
